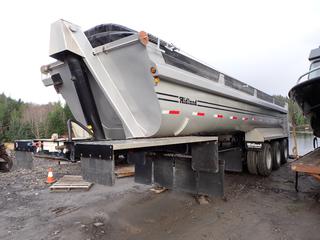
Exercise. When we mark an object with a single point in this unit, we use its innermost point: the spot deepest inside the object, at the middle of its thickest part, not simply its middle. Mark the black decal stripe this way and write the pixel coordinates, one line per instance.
(166, 94)
(168, 100)
(250, 113)
(219, 105)
(229, 109)
(216, 108)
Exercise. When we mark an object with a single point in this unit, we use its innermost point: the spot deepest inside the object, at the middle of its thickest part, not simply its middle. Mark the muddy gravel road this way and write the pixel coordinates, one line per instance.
(253, 208)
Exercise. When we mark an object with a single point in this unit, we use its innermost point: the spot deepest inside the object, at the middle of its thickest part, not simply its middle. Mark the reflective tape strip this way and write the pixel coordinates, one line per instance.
(171, 112)
(200, 114)
(218, 116)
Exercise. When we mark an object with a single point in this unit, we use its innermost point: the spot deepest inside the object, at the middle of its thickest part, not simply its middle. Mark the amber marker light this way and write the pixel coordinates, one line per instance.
(143, 36)
(156, 80)
(153, 70)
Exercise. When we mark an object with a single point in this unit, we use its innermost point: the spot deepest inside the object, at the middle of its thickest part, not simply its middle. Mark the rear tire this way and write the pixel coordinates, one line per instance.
(284, 150)
(252, 162)
(6, 166)
(276, 155)
(264, 160)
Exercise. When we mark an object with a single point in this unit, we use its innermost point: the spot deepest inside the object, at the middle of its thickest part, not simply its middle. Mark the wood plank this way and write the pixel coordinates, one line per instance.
(124, 171)
(158, 189)
(71, 182)
(309, 163)
(71, 187)
(316, 176)
(306, 168)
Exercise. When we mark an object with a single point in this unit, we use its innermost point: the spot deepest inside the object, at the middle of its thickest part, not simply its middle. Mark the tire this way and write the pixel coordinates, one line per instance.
(276, 155)
(6, 166)
(252, 162)
(7, 163)
(264, 160)
(284, 151)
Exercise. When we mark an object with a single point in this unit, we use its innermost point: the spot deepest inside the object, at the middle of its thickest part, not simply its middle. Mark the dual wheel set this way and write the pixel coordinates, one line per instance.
(268, 158)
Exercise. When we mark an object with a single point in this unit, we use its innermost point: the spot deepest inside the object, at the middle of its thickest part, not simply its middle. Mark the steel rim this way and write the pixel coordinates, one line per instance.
(285, 151)
(278, 156)
(268, 160)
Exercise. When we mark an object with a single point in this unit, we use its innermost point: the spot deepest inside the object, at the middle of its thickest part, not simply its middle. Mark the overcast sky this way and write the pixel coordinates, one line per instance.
(263, 43)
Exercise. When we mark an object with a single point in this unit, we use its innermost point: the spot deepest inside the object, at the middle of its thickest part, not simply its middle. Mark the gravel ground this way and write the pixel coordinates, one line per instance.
(253, 208)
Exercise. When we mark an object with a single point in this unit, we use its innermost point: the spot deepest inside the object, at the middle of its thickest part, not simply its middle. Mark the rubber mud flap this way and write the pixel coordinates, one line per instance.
(163, 171)
(185, 177)
(143, 167)
(205, 157)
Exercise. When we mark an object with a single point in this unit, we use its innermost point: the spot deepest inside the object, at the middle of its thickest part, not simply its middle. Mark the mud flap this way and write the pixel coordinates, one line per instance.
(163, 171)
(177, 172)
(205, 157)
(24, 154)
(143, 167)
(97, 163)
(212, 183)
(198, 182)
(24, 160)
(98, 170)
(185, 176)
(232, 158)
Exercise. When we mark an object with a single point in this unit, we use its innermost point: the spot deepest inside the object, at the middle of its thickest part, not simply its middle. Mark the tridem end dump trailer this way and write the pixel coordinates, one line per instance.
(181, 122)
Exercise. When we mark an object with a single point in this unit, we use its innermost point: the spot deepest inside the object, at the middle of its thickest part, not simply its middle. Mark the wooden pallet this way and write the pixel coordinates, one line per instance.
(124, 171)
(158, 189)
(70, 183)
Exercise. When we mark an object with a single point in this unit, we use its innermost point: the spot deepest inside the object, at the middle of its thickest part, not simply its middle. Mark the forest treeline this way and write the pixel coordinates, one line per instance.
(295, 117)
(19, 120)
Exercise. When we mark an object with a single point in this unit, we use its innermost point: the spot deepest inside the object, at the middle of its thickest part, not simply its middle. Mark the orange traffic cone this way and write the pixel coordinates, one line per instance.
(50, 178)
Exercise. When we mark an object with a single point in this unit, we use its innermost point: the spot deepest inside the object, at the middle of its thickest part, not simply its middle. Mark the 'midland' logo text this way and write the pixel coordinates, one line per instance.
(188, 101)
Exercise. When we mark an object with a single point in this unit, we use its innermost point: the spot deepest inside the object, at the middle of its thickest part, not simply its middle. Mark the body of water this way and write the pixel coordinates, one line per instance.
(304, 142)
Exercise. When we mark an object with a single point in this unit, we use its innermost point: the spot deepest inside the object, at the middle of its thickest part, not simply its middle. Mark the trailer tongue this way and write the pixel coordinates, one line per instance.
(130, 87)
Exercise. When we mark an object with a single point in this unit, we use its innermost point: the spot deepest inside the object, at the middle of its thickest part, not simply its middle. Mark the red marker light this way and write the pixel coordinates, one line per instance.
(174, 112)
(218, 116)
(200, 114)
(171, 112)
